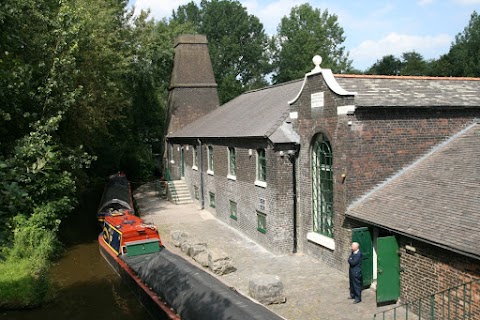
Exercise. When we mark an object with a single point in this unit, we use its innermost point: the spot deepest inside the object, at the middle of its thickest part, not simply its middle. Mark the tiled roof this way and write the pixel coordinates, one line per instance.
(261, 113)
(437, 199)
(390, 91)
(258, 113)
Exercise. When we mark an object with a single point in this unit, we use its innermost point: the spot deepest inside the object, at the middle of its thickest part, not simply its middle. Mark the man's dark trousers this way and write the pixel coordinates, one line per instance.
(355, 275)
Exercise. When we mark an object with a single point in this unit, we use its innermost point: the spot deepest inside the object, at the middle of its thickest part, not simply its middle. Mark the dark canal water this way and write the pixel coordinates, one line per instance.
(84, 285)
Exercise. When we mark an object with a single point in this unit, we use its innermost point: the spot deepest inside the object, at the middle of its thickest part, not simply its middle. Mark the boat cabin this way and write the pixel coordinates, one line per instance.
(129, 235)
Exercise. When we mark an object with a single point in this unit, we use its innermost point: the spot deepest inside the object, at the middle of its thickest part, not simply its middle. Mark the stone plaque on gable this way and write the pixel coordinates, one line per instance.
(317, 100)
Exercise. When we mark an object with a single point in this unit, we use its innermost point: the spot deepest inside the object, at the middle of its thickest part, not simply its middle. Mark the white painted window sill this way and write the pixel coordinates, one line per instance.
(322, 240)
(195, 168)
(230, 177)
(210, 172)
(262, 184)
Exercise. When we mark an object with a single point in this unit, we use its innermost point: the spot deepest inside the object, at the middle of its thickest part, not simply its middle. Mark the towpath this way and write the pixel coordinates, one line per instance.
(314, 290)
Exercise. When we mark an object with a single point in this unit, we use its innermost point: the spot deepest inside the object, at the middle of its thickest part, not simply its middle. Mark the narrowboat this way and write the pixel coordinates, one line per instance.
(117, 197)
(168, 286)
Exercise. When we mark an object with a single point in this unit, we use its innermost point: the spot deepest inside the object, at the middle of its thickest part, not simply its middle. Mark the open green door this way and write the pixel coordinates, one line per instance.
(388, 269)
(364, 239)
(182, 156)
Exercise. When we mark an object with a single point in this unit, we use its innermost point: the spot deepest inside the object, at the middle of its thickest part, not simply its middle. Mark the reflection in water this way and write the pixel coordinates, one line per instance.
(84, 285)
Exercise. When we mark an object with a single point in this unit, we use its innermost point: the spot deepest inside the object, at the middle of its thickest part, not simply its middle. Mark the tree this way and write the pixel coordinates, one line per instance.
(463, 59)
(304, 33)
(388, 65)
(413, 64)
(237, 44)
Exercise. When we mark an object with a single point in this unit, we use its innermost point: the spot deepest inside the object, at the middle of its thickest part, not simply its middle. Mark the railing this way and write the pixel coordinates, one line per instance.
(457, 303)
(170, 185)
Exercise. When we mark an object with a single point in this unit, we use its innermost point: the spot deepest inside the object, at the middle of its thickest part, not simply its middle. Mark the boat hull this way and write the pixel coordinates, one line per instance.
(152, 303)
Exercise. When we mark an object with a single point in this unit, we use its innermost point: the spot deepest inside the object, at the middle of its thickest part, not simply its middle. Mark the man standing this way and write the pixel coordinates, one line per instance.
(355, 273)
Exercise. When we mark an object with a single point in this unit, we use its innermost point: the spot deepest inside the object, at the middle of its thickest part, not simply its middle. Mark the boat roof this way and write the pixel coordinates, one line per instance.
(132, 227)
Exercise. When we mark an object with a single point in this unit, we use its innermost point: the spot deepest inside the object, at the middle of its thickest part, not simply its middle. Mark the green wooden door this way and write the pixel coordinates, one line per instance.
(182, 156)
(364, 239)
(388, 269)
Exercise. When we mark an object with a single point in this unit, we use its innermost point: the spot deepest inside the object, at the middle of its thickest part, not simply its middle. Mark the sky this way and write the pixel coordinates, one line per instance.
(372, 28)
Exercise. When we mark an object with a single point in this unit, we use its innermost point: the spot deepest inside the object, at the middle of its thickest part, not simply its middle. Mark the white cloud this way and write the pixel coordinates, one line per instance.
(270, 14)
(365, 54)
(159, 9)
(424, 2)
(467, 2)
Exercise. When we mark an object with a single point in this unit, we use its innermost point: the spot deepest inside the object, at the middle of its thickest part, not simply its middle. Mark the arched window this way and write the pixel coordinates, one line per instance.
(322, 186)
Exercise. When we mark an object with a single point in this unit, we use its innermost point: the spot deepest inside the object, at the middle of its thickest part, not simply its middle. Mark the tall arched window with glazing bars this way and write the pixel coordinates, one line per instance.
(322, 186)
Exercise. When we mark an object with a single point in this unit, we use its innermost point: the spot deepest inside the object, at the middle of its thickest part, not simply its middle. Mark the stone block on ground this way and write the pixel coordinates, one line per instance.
(178, 237)
(196, 248)
(186, 247)
(219, 262)
(267, 289)
(201, 258)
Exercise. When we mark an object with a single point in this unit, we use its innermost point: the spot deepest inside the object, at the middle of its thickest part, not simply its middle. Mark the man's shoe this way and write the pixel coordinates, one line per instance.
(357, 301)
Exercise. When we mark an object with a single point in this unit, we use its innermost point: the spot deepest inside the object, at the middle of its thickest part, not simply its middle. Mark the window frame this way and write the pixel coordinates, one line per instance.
(322, 187)
(233, 213)
(210, 160)
(211, 196)
(232, 158)
(194, 157)
(261, 168)
(261, 227)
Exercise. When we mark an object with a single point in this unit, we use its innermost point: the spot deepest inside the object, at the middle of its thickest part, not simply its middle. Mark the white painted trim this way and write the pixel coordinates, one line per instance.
(329, 79)
(210, 172)
(322, 240)
(262, 184)
(294, 115)
(230, 177)
(345, 109)
(195, 168)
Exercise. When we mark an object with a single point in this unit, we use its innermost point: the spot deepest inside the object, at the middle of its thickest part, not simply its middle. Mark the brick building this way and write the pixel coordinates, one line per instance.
(309, 165)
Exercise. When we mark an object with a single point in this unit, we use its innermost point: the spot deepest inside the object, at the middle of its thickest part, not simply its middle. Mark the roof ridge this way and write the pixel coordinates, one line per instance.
(415, 163)
(273, 86)
(374, 76)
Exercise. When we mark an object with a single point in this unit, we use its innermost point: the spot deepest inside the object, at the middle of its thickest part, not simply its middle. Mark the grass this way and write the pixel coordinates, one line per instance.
(23, 274)
(23, 283)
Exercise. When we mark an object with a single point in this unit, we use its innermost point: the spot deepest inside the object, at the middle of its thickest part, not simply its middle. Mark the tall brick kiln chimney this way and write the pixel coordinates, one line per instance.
(193, 90)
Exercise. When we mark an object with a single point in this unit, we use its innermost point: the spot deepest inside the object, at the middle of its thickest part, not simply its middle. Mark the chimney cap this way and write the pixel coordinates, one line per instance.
(191, 39)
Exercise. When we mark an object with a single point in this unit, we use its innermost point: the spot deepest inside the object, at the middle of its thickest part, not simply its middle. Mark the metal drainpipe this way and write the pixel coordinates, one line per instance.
(200, 163)
(293, 160)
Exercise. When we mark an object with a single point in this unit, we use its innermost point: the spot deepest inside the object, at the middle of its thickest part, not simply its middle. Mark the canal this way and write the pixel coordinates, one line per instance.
(83, 284)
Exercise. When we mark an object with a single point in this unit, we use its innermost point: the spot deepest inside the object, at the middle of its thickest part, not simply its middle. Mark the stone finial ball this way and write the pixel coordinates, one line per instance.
(317, 60)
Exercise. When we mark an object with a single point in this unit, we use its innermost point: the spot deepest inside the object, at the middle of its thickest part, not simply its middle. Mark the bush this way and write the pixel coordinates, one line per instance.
(23, 275)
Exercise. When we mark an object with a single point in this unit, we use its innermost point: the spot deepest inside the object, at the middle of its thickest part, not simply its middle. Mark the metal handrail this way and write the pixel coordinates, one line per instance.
(171, 185)
(454, 303)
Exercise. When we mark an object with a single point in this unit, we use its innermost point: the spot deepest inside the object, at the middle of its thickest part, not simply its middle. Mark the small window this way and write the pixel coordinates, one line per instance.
(232, 163)
(261, 222)
(261, 204)
(195, 159)
(233, 210)
(196, 194)
(210, 159)
(261, 165)
(212, 199)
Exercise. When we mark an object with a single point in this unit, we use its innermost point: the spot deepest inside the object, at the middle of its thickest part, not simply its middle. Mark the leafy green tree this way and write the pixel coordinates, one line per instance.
(463, 58)
(388, 65)
(237, 44)
(304, 33)
(413, 64)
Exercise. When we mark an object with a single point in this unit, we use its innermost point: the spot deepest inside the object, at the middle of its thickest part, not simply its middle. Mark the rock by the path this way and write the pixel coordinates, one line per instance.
(201, 258)
(196, 248)
(178, 237)
(219, 262)
(267, 289)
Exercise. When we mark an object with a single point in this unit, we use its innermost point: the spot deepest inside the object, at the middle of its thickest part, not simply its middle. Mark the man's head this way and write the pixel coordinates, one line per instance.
(355, 246)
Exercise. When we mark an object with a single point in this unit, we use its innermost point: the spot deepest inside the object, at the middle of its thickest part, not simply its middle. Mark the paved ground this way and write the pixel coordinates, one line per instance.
(313, 290)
